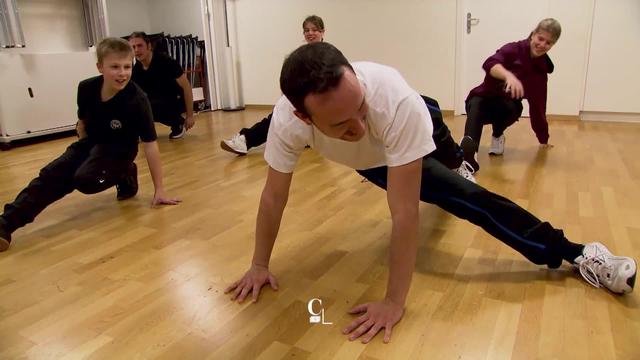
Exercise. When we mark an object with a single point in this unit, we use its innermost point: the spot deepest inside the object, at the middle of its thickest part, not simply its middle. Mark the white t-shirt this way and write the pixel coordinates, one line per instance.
(398, 127)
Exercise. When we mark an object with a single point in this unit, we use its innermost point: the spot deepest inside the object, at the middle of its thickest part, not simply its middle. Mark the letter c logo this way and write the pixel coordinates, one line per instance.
(310, 306)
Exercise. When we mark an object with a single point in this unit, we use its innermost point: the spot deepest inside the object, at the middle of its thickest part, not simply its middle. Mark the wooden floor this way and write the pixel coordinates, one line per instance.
(96, 278)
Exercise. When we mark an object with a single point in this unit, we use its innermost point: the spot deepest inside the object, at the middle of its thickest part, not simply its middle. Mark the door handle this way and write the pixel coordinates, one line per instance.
(471, 21)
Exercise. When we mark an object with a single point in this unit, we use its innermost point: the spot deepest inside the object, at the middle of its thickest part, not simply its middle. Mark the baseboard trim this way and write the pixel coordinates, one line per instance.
(610, 116)
(259, 107)
(563, 117)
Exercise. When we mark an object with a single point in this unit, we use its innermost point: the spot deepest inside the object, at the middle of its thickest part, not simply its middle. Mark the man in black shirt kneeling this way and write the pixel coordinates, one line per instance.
(166, 85)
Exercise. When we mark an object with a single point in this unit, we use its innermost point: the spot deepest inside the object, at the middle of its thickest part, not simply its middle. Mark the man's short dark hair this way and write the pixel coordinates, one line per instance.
(311, 69)
(141, 35)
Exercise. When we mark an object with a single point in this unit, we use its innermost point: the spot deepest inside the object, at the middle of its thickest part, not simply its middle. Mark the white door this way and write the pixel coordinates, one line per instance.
(493, 23)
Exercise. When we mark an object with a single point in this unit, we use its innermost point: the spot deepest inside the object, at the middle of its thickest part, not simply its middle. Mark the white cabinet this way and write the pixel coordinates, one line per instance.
(38, 92)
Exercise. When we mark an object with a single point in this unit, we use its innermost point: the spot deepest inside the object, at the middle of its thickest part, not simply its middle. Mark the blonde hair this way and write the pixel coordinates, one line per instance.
(550, 25)
(113, 45)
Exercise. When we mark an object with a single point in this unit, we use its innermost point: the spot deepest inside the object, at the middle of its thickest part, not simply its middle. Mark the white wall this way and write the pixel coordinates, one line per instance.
(569, 55)
(614, 69)
(52, 26)
(419, 39)
(127, 16)
(415, 36)
(175, 17)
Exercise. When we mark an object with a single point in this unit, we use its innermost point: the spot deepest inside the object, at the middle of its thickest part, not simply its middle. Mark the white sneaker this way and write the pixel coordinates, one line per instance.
(599, 267)
(237, 145)
(466, 171)
(497, 145)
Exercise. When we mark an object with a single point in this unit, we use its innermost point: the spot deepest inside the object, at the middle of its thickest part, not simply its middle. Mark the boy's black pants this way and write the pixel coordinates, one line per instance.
(87, 167)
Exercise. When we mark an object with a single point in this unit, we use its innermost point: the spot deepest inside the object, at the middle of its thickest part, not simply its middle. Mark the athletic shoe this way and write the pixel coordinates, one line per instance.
(497, 145)
(601, 268)
(177, 132)
(470, 152)
(5, 237)
(466, 171)
(237, 145)
(128, 186)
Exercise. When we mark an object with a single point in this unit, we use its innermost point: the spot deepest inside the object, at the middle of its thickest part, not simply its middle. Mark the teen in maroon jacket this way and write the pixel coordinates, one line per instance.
(517, 71)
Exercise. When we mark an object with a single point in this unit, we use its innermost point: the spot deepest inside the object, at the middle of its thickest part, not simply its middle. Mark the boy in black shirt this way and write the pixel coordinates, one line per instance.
(112, 114)
(166, 85)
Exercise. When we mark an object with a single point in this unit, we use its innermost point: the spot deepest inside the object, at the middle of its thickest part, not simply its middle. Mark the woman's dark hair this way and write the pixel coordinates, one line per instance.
(315, 20)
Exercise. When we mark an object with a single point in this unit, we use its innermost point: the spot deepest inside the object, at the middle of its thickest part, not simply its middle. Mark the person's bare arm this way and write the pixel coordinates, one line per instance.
(272, 203)
(80, 129)
(403, 195)
(152, 154)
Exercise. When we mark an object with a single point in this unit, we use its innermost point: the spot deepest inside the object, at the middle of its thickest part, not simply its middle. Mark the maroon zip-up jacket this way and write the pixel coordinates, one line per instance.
(532, 73)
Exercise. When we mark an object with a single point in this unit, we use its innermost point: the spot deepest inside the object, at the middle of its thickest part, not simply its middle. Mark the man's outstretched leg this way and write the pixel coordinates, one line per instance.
(536, 240)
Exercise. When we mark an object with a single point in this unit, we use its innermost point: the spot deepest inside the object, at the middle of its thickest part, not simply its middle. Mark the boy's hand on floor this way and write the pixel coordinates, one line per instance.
(162, 199)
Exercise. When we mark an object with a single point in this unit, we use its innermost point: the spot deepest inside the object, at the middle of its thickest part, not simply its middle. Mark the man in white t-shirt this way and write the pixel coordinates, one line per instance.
(366, 116)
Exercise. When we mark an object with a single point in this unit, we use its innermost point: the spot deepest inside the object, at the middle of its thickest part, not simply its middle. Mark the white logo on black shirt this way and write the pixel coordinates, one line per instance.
(116, 124)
